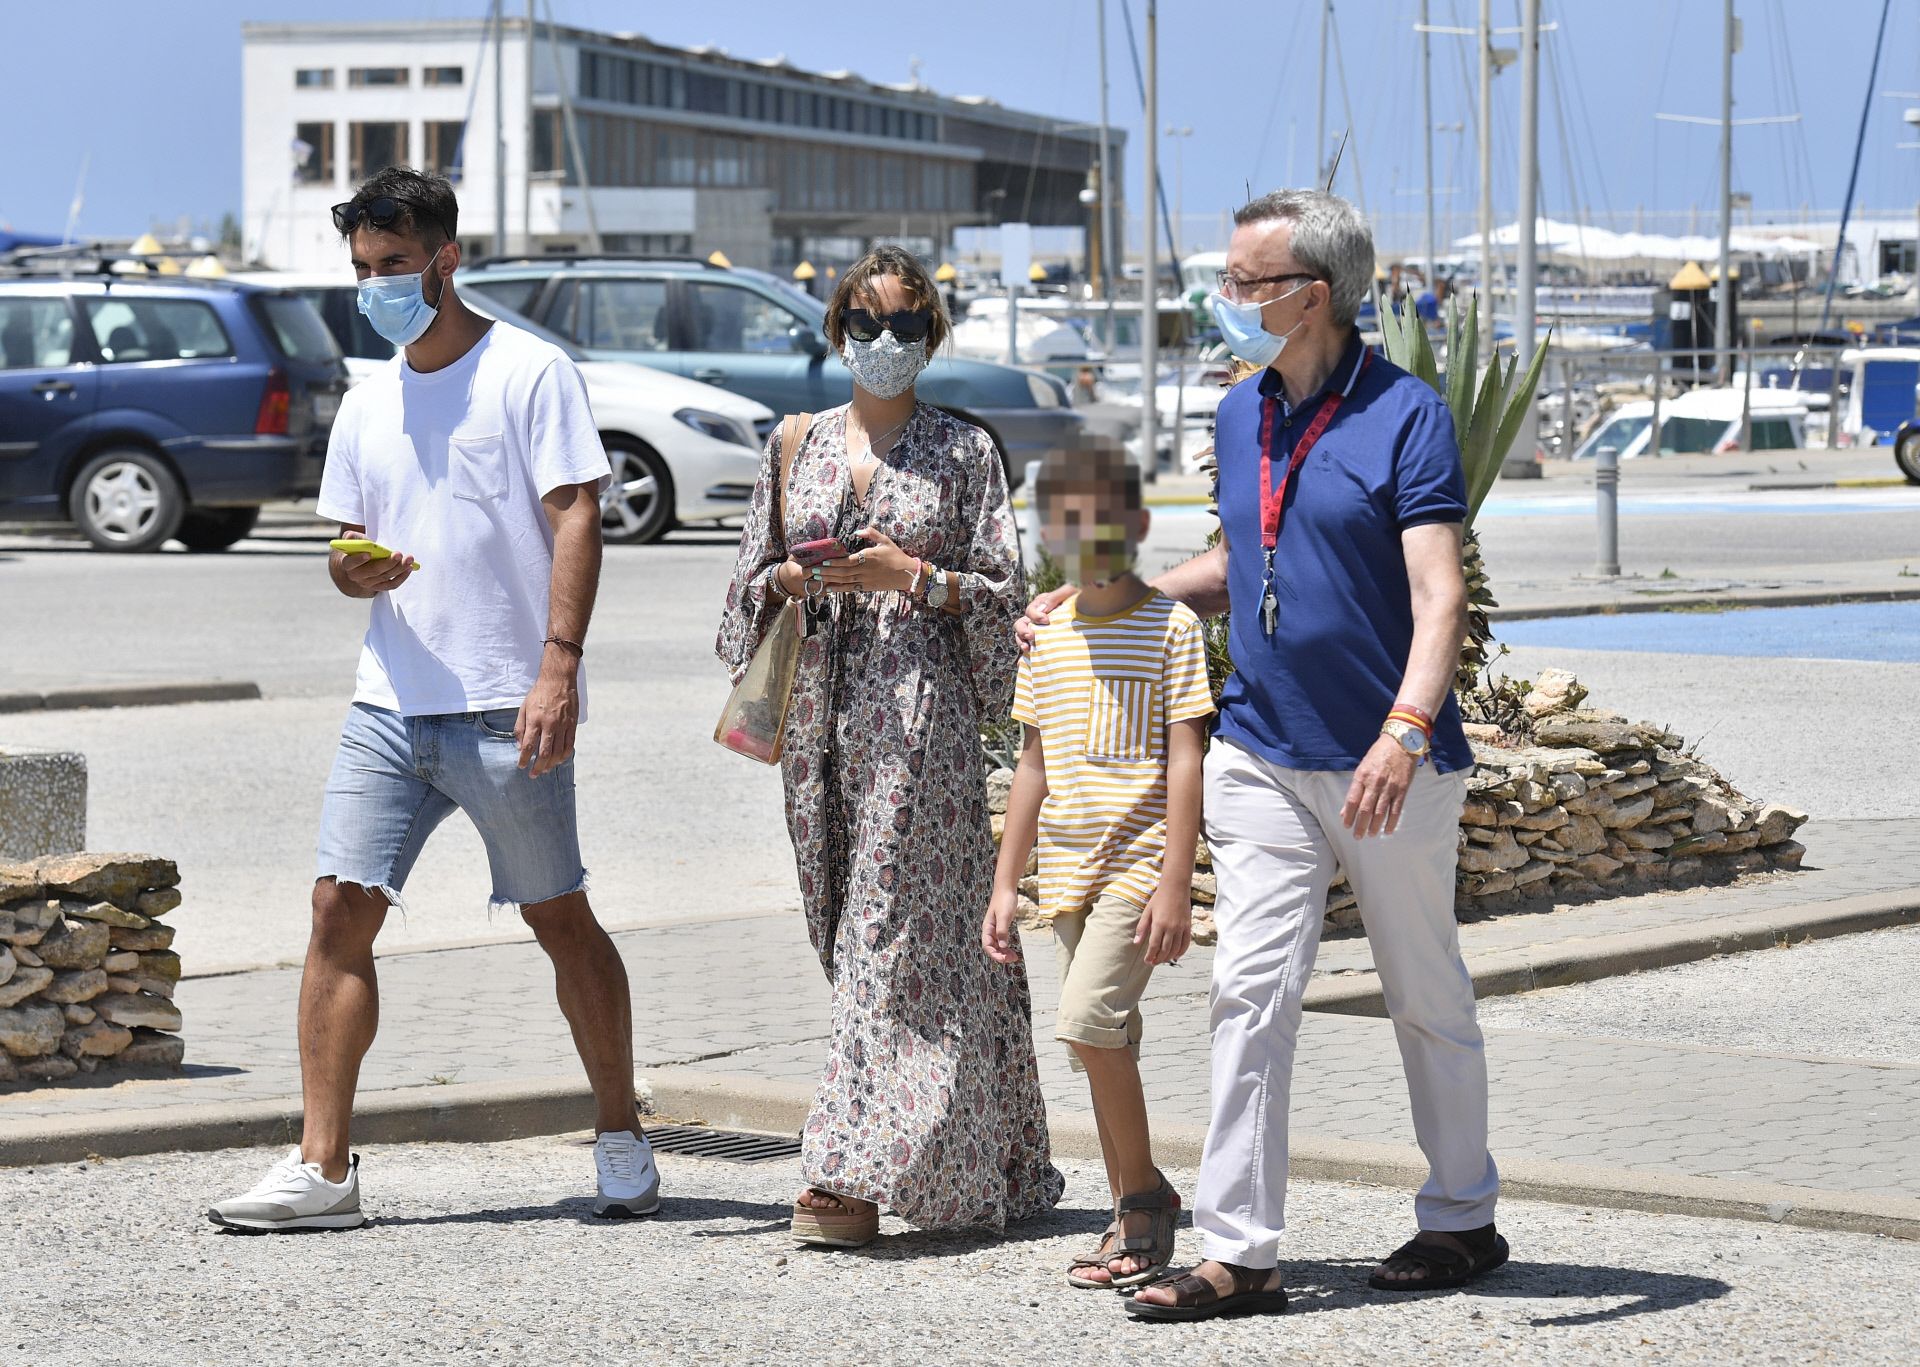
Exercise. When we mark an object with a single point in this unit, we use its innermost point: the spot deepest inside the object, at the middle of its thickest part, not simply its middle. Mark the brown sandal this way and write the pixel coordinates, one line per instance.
(1162, 1205)
(1196, 1298)
(1099, 1257)
(839, 1227)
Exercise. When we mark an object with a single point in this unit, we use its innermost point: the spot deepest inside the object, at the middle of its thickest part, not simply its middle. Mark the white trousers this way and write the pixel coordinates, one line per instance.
(1277, 841)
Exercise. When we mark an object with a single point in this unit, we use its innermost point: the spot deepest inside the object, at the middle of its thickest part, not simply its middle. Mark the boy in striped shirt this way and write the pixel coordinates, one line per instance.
(1115, 701)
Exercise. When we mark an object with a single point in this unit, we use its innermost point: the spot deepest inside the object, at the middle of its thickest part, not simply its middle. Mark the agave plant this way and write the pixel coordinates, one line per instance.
(1488, 408)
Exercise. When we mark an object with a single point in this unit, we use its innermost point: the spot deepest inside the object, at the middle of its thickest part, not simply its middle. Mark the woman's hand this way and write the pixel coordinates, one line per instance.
(791, 577)
(880, 566)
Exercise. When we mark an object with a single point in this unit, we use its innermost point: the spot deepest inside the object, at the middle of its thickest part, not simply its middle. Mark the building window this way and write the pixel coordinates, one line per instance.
(548, 155)
(313, 78)
(376, 75)
(374, 147)
(442, 150)
(313, 153)
(442, 75)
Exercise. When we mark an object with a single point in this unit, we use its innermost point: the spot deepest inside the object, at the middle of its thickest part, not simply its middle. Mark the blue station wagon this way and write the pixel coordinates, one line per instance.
(145, 408)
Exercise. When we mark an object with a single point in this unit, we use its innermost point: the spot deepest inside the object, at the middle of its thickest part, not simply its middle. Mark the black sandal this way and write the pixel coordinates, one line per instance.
(1445, 1266)
(1196, 1298)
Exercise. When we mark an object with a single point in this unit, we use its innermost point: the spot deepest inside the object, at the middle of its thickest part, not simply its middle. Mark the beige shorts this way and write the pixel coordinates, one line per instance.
(1103, 975)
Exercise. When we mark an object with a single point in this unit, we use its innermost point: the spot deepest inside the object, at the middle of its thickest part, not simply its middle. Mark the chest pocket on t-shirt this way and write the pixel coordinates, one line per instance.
(1120, 719)
(477, 468)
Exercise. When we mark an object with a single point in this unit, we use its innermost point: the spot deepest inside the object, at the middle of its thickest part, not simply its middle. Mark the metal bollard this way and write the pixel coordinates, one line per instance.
(1606, 493)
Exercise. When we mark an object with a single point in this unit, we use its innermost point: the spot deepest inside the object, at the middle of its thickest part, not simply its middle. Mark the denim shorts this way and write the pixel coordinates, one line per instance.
(395, 778)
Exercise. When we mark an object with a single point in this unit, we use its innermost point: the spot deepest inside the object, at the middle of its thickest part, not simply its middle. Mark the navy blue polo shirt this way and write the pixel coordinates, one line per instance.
(1313, 695)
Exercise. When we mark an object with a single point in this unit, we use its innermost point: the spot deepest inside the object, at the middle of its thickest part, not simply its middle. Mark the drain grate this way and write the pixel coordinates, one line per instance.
(728, 1146)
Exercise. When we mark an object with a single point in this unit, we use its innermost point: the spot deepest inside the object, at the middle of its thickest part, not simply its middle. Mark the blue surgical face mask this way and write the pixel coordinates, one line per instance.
(1245, 336)
(396, 306)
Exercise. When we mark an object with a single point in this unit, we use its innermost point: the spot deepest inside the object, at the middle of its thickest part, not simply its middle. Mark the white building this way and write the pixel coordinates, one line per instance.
(683, 150)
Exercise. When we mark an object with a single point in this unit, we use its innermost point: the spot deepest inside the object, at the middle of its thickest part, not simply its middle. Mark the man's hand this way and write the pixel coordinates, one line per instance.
(996, 930)
(1379, 790)
(368, 576)
(1166, 926)
(1038, 613)
(545, 727)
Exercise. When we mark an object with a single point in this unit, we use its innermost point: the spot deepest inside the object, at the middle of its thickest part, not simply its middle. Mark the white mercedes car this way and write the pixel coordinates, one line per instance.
(681, 451)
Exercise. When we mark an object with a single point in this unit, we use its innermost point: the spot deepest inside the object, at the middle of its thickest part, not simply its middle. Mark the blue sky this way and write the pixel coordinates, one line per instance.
(153, 94)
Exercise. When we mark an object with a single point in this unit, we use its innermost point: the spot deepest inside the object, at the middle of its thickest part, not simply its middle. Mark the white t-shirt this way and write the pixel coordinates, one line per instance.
(450, 468)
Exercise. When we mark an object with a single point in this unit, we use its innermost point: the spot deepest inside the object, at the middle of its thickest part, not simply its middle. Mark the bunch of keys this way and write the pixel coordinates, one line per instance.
(1269, 604)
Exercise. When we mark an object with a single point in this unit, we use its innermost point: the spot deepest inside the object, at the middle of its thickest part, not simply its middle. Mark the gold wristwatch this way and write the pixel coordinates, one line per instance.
(1409, 737)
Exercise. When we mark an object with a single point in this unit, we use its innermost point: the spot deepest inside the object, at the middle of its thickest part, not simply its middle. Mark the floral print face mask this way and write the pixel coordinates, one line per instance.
(885, 367)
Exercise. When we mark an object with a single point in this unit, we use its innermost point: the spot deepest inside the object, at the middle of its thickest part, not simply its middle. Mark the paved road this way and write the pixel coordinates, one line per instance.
(485, 1252)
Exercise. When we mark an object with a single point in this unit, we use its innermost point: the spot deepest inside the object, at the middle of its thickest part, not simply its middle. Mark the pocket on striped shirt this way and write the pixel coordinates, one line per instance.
(1120, 719)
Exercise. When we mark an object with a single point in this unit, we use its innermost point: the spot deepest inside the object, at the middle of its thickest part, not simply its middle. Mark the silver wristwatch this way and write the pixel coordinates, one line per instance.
(939, 588)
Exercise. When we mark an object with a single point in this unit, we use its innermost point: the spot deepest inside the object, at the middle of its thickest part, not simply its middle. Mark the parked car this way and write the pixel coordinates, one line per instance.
(681, 451)
(757, 335)
(147, 408)
(1705, 420)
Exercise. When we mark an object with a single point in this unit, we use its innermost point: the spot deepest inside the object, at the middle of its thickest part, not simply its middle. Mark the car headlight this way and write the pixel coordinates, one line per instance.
(1045, 394)
(715, 426)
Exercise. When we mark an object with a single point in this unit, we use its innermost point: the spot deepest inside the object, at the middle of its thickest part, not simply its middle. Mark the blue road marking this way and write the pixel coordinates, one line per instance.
(1882, 632)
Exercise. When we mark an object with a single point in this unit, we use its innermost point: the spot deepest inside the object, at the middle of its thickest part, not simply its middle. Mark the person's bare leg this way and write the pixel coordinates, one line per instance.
(1120, 1110)
(591, 983)
(339, 1013)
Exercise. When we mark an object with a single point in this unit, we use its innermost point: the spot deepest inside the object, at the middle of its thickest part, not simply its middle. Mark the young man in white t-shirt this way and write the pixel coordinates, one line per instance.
(474, 460)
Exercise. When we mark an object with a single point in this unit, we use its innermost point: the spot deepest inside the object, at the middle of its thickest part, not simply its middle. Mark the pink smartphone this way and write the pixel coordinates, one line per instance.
(811, 553)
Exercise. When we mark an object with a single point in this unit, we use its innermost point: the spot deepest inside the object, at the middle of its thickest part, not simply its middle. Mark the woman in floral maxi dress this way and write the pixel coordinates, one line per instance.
(929, 1102)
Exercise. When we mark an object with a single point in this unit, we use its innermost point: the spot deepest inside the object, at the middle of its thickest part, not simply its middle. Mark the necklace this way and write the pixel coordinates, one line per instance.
(891, 431)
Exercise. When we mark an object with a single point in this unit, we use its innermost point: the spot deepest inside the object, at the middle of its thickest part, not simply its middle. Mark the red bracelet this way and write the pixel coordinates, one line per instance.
(1415, 713)
(1402, 714)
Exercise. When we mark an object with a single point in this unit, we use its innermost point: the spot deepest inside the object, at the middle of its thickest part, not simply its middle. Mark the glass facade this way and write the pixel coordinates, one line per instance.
(808, 177)
(619, 79)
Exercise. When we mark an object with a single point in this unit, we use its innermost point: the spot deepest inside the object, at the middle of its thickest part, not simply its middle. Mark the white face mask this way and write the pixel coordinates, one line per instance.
(885, 367)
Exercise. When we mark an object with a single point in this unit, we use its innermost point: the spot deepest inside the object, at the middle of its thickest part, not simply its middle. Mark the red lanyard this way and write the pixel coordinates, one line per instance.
(1273, 501)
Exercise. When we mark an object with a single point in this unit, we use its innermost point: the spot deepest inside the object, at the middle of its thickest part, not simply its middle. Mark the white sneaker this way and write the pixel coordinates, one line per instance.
(629, 1181)
(295, 1195)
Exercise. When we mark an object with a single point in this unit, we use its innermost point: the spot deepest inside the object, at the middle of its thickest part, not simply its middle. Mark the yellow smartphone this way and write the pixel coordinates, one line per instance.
(354, 545)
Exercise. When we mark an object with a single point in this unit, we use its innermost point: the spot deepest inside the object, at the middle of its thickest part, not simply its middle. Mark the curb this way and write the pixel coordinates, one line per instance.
(1754, 598)
(1874, 482)
(1609, 956)
(129, 695)
(491, 1112)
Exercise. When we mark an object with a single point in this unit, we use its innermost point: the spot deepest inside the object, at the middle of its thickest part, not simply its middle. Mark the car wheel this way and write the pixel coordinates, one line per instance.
(637, 507)
(215, 529)
(126, 500)
(1906, 452)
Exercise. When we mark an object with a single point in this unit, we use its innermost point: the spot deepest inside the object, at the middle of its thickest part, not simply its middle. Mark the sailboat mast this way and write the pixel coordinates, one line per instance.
(1723, 307)
(526, 180)
(1426, 125)
(1320, 101)
(1486, 173)
(499, 128)
(1525, 322)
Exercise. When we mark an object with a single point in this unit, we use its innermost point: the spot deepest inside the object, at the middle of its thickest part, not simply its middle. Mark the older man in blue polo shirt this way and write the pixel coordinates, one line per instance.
(1338, 747)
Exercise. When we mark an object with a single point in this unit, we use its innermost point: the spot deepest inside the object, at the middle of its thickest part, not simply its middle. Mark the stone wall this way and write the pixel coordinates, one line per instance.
(86, 975)
(1584, 805)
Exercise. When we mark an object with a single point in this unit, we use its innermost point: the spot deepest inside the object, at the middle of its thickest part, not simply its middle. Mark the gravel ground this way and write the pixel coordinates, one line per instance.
(1757, 1001)
(485, 1253)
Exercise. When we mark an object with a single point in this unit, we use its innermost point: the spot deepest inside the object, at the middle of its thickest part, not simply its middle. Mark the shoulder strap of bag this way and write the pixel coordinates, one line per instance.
(792, 433)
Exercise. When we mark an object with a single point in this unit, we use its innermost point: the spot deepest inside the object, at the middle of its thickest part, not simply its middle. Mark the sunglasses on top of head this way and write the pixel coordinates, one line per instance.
(381, 213)
(908, 325)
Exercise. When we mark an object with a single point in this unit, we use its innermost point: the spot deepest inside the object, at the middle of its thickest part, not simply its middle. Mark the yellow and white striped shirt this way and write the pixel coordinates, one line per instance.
(1102, 692)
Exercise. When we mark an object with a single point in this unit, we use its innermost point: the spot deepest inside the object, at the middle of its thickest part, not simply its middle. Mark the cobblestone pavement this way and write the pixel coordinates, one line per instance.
(486, 1253)
(1662, 1101)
